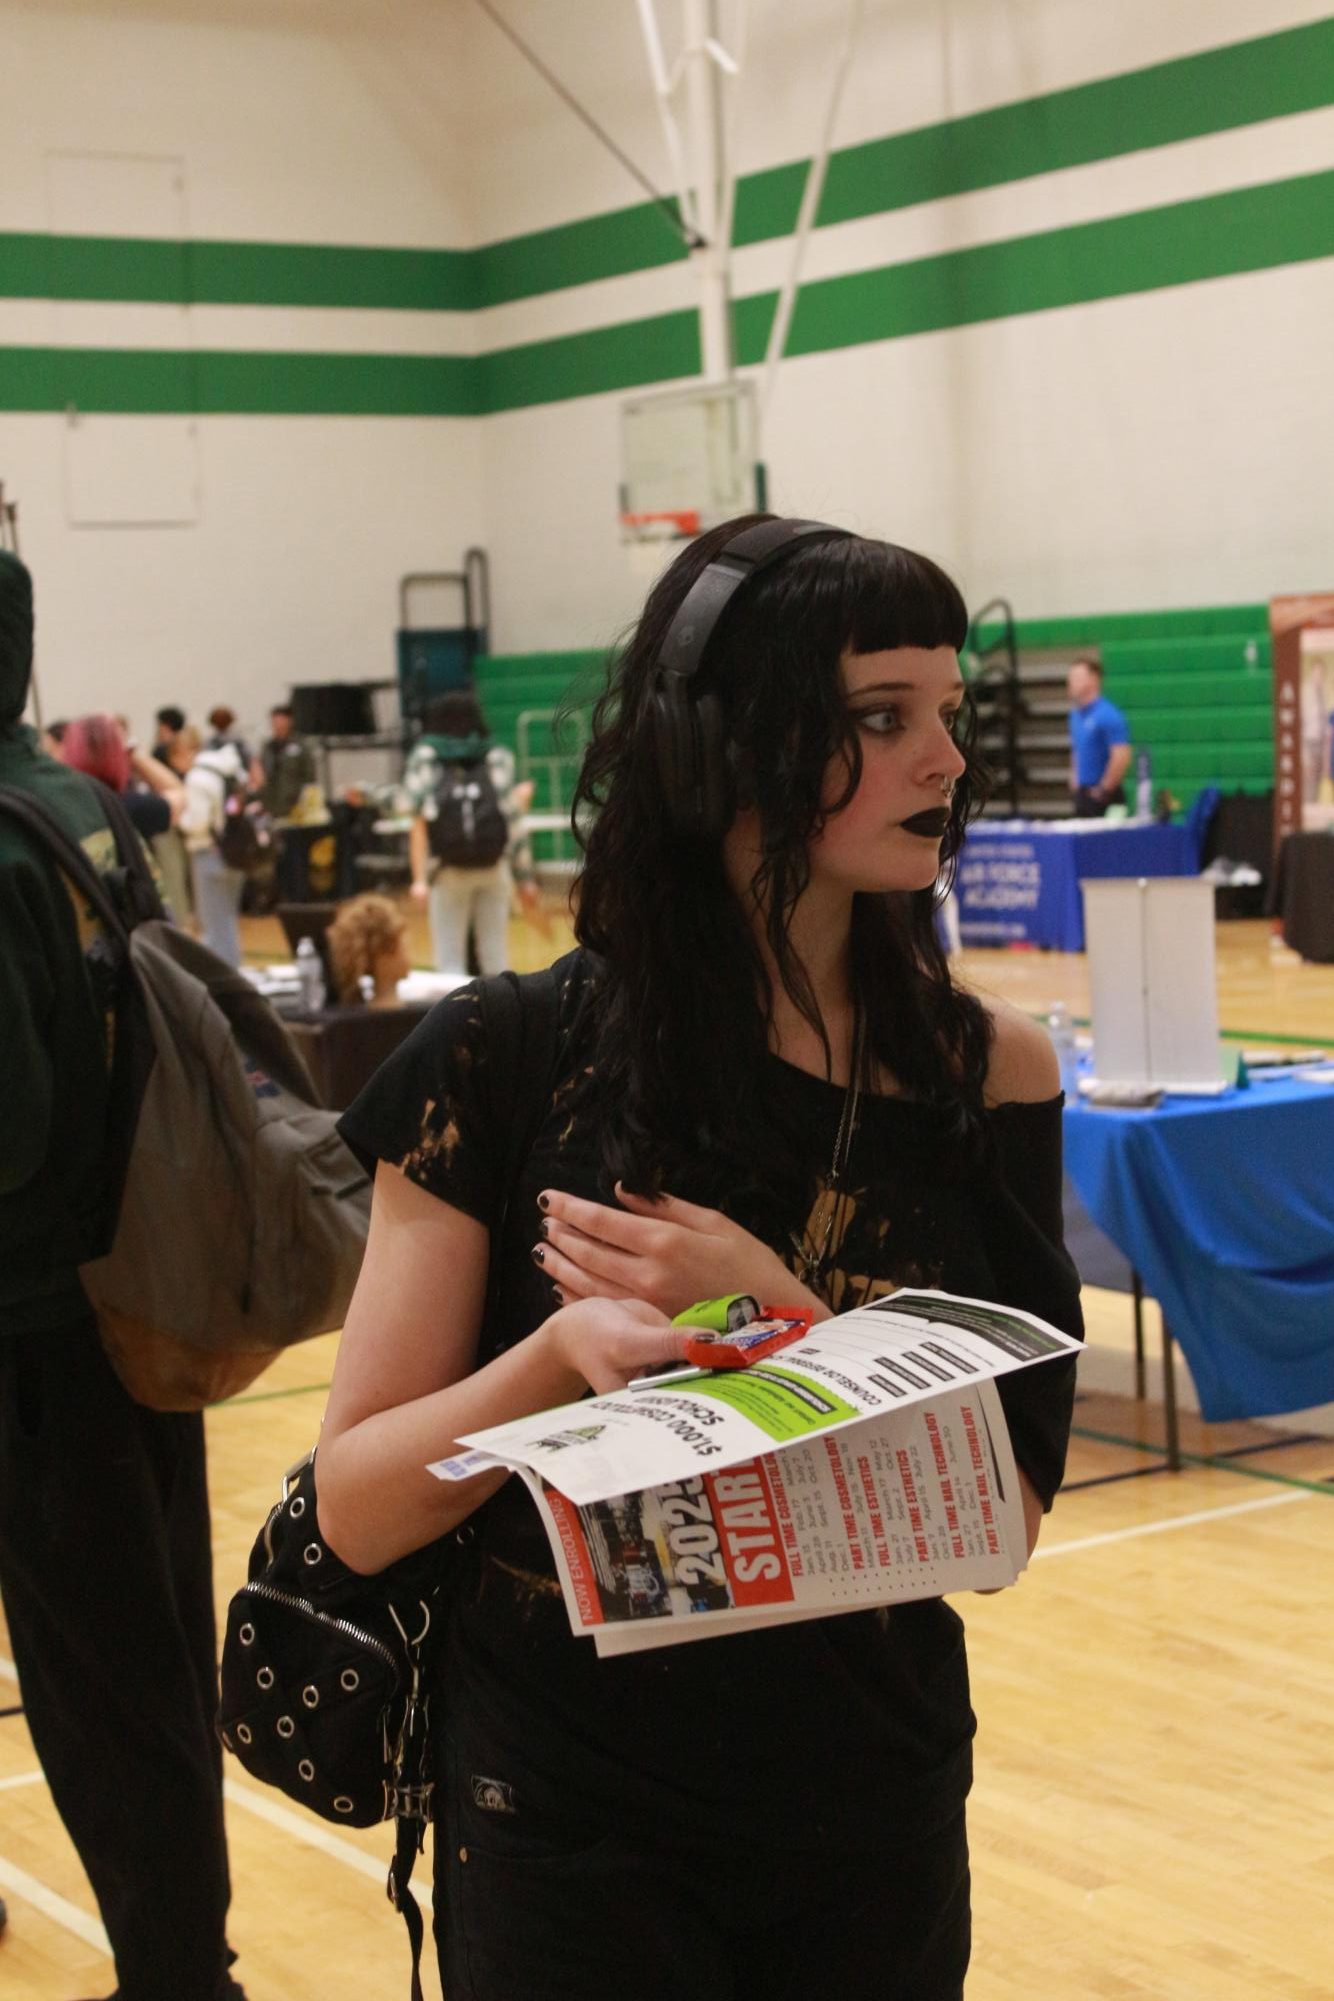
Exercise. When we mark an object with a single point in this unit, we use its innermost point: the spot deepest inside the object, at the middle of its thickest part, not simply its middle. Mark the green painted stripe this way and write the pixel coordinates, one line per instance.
(1216, 90)
(304, 274)
(168, 381)
(628, 356)
(1242, 230)
(146, 271)
(613, 245)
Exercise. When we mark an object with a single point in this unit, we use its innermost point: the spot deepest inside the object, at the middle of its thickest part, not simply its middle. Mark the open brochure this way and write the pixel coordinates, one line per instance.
(869, 1463)
(907, 1506)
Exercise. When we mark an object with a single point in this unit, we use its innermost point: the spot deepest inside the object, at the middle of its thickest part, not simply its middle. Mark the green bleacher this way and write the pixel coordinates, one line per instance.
(1195, 687)
(522, 695)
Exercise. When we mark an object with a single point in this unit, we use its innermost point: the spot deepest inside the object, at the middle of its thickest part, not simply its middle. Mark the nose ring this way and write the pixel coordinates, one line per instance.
(946, 787)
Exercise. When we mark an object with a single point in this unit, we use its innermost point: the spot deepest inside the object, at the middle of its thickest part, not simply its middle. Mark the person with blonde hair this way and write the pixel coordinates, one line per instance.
(368, 939)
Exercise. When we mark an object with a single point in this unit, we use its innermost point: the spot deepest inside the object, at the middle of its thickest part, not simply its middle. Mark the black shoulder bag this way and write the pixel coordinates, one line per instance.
(324, 1671)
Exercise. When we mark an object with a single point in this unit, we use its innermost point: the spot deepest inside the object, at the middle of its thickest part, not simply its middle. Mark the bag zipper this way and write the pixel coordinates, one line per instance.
(303, 1605)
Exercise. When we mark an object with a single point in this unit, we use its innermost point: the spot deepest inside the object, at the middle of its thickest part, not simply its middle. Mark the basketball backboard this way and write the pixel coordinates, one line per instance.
(689, 460)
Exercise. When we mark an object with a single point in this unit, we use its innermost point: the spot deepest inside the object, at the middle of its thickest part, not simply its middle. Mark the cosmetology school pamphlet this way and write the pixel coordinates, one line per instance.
(868, 1463)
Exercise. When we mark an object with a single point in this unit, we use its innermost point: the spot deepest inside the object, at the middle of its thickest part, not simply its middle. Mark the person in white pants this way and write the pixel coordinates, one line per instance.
(217, 888)
(471, 899)
(463, 899)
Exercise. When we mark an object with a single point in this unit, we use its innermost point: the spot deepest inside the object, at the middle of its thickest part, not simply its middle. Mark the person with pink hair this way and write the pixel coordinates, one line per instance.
(97, 746)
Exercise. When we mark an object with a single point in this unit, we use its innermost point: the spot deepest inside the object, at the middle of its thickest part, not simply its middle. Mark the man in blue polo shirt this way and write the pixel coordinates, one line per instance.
(1099, 743)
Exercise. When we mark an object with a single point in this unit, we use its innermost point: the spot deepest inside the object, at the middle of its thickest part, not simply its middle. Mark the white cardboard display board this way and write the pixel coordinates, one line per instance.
(1152, 982)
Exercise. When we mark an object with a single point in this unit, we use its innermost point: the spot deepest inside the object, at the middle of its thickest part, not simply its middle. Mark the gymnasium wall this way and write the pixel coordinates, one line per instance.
(1063, 320)
(202, 351)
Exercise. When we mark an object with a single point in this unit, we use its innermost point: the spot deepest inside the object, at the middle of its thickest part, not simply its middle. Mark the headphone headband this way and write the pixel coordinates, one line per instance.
(737, 561)
(687, 719)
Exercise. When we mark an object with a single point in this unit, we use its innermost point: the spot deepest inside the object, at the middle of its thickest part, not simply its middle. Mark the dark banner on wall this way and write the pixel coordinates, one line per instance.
(1303, 636)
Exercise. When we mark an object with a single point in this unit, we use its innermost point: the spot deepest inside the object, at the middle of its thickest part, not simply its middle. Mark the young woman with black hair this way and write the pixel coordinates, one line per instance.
(767, 1082)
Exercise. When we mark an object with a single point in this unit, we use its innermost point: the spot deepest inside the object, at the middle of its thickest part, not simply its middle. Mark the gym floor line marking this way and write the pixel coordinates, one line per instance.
(1226, 1034)
(313, 1834)
(269, 1396)
(1217, 1464)
(59, 1909)
(22, 1779)
(1202, 1517)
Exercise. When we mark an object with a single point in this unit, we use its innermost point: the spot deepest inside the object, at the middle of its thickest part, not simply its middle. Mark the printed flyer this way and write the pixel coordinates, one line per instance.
(910, 1505)
(866, 1464)
(906, 1349)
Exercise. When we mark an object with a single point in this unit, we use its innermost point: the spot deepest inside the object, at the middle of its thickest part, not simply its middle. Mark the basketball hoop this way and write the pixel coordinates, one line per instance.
(688, 461)
(668, 524)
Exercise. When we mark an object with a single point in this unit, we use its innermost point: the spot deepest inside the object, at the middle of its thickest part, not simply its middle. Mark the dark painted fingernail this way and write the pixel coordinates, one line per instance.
(539, 1255)
(544, 1201)
(559, 1293)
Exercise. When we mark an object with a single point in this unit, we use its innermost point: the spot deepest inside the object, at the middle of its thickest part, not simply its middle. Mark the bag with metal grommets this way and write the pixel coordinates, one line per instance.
(325, 1676)
(321, 1667)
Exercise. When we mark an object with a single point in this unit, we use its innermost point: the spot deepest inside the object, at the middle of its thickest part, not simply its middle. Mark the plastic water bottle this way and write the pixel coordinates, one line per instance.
(1143, 787)
(1062, 1032)
(310, 976)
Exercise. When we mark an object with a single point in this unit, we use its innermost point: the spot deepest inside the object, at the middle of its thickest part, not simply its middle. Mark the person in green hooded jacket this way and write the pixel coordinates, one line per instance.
(105, 1558)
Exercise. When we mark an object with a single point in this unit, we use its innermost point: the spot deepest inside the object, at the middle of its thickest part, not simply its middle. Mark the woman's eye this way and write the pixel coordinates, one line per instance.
(952, 719)
(878, 722)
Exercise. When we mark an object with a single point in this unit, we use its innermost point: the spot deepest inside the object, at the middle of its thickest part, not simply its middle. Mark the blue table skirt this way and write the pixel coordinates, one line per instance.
(1226, 1208)
(1018, 881)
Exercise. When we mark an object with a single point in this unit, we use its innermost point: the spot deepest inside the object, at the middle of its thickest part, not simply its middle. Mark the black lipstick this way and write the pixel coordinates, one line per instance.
(930, 825)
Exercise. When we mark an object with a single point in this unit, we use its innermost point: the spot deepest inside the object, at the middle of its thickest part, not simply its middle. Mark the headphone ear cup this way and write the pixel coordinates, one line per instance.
(669, 714)
(713, 787)
(690, 746)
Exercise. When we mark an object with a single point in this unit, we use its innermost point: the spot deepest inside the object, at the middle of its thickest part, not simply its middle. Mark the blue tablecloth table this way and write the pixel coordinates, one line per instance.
(1018, 880)
(1226, 1207)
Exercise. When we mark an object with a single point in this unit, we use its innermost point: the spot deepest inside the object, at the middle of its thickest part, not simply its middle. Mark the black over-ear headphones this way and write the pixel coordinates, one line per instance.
(687, 719)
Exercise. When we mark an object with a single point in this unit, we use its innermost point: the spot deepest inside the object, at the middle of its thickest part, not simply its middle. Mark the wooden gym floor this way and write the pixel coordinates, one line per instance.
(1153, 1817)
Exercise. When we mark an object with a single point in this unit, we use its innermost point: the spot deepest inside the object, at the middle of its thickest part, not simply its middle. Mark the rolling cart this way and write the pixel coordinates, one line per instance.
(435, 660)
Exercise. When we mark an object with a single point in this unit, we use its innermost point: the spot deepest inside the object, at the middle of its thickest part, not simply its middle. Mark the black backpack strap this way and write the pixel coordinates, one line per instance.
(138, 898)
(138, 888)
(408, 1840)
(69, 857)
(520, 1024)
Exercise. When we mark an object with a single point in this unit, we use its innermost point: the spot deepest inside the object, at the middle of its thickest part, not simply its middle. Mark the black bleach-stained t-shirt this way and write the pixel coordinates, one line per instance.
(870, 1708)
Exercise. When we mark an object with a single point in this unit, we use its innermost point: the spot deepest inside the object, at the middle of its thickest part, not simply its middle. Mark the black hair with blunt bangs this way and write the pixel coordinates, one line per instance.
(683, 1000)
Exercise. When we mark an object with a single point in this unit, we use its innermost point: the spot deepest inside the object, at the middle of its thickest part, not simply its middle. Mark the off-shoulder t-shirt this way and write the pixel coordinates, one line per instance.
(873, 1704)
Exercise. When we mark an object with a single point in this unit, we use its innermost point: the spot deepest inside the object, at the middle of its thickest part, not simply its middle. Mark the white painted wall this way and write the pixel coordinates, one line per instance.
(1150, 451)
(1158, 450)
(295, 124)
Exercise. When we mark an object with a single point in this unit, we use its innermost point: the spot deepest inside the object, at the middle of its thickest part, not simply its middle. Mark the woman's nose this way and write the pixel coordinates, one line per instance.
(947, 760)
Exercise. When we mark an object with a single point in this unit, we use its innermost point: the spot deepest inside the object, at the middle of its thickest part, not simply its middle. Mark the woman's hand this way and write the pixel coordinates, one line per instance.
(668, 1252)
(606, 1342)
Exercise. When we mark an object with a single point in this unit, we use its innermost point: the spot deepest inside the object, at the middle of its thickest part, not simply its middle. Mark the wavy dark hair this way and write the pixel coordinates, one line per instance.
(683, 999)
